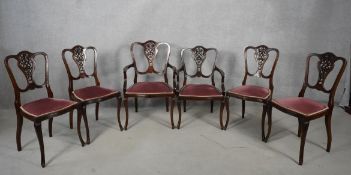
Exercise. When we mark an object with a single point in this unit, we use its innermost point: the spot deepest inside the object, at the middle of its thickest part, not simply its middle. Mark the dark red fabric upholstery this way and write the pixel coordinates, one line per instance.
(200, 90)
(301, 105)
(92, 92)
(251, 91)
(46, 106)
(149, 88)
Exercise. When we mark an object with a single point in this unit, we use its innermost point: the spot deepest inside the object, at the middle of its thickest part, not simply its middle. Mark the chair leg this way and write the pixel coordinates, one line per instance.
(299, 131)
(97, 111)
(38, 131)
(211, 106)
(50, 126)
(125, 101)
(179, 113)
(184, 105)
(269, 111)
(224, 103)
(136, 104)
(172, 108)
(84, 111)
(243, 109)
(119, 101)
(79, 119)
(263, 121)
(304, 128)
(167, 104)
(227, 108)
(329, 132)
(19, 130)
(71, 119)
(221, 115)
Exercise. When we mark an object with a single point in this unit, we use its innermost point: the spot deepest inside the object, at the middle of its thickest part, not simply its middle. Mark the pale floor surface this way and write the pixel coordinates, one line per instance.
(199, 147)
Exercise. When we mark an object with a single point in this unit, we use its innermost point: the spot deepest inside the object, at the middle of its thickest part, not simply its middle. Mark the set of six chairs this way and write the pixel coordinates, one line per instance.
(303, 108)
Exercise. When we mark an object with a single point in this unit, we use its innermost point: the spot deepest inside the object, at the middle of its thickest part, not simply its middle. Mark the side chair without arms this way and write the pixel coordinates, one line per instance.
(255, 93)
(41, 109)
(306, 109)
(91, 94)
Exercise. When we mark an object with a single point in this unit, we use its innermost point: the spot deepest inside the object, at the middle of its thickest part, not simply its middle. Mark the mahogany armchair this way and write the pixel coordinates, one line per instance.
(257, 93)
(306, 109)
(91, 94)
(41, 109)
(149, 89)
(207, 92)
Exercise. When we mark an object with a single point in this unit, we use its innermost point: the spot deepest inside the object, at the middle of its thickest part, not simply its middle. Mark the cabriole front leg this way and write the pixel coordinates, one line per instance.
(179, 112)
(38, 131)
(125, 102)
(119, 101)
(242, 108)
(71, 119)
(19, 131)
(50, 127)
(329, 132)
(79, 119)
(267, 110)
(263, 121)
(224, 104)
(304, 127)
(171, 113)
(84, 111)
(97, 111)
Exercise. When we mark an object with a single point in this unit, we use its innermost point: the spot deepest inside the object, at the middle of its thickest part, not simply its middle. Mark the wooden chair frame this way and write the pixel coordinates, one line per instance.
(325, 65)
(26, 63)
(150, 48)
(199, 56)
(79, 57)
(261, 54)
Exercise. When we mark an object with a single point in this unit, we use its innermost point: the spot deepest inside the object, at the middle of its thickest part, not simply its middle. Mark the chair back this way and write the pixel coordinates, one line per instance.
(325, 65)
(261, 55)
(26, 62)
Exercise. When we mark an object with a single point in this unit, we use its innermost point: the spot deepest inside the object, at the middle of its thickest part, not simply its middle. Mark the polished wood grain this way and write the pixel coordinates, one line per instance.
(79, 57)
(326, 63)
(150, 50)
(261, 56)
(26, 62)
(199, 55)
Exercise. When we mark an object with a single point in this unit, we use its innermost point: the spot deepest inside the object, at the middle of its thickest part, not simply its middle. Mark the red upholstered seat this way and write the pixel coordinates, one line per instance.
(92, 92)
(251, 91)
(46, 106)
(149, 88)
(301, 105)
(199, 90)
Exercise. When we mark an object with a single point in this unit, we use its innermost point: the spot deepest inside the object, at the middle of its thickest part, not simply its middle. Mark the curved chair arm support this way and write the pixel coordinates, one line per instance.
(221, 72)
(174, 75)
(181, 69)
(125, 69)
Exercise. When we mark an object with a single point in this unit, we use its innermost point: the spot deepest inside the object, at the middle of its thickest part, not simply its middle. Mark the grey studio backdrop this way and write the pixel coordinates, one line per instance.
(295, 27)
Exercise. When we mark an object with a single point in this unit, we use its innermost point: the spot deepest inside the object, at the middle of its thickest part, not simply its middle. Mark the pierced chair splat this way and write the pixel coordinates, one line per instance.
(306, 109)
(207, 92)
(156, 89)
(254, 93)
(41, 109)
(91, 94)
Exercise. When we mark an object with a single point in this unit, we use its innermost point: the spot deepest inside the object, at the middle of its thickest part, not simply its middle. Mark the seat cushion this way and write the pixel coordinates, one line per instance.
(200, 90)
(149, 88)
(93, 92)
(304, 106)
(46, 106)
(251, 91)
